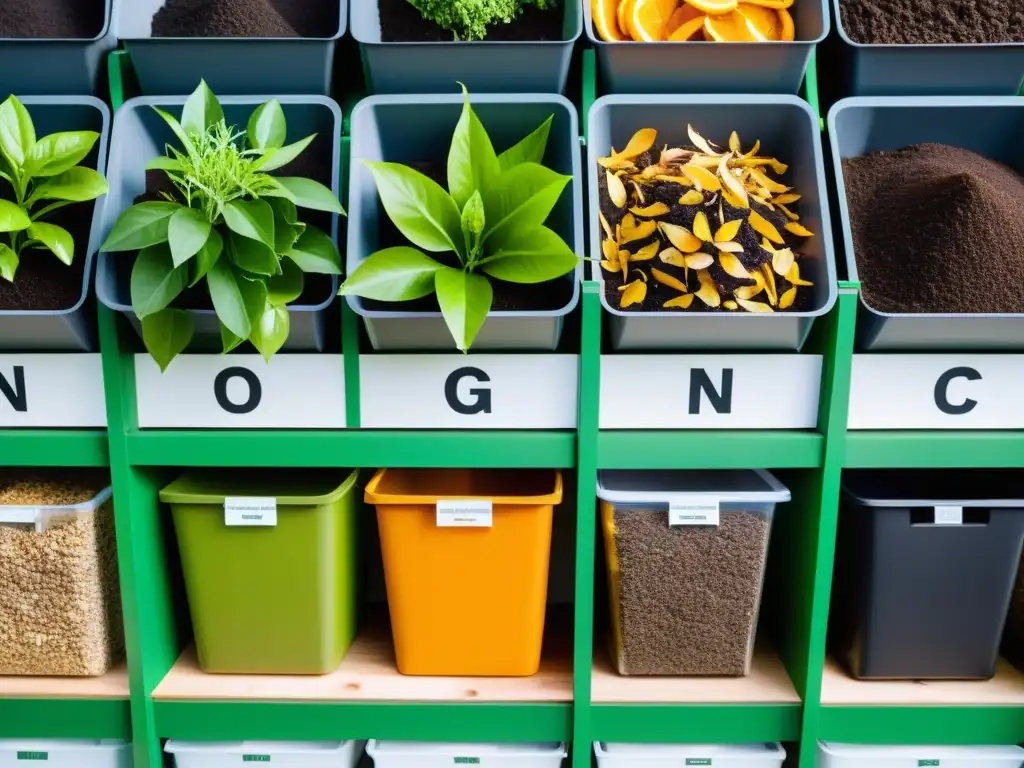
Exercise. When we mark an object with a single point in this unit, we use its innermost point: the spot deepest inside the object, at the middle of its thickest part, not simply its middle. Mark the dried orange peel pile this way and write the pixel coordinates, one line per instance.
(732, 21)
(702, 227)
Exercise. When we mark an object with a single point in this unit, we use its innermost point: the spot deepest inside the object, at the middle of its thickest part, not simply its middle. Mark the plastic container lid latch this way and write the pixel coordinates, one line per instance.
(694, 510)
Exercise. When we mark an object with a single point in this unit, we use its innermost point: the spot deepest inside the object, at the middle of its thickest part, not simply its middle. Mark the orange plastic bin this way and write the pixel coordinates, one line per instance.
(467, 598)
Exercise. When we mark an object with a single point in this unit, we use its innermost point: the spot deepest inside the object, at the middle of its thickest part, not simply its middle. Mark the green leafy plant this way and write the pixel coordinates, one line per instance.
(490, 221)
(228, 223)
(469, 19)
(43, 176)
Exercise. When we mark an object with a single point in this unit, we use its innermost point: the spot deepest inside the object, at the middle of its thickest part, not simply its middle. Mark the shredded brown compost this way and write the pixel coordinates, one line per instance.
(52, 18)
(933, 21)
(246, 18)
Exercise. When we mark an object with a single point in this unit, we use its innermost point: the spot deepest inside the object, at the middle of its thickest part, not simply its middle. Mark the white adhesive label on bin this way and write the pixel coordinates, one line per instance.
(949, 515)
(250, 510)
(464, 514)
(697, 510)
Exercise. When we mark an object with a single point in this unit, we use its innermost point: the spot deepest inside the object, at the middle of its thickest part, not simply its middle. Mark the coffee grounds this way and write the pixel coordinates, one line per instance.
(937, 229)
(52, 18)
(400, 22)
(689, 596)
(246, 18)
(933, 21)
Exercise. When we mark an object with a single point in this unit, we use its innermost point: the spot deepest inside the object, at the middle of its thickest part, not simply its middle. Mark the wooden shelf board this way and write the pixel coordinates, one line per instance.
(767, 683)
(1005, 689)
(113, 685)
(368, 674)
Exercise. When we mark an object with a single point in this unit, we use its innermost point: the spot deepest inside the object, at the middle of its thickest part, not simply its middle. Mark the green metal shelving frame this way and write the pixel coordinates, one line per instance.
(797, 590)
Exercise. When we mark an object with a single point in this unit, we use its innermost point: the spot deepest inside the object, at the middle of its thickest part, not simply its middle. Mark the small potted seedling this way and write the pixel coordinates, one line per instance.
(494, 46)
(492, 256)
(216, 227)
(49, 184)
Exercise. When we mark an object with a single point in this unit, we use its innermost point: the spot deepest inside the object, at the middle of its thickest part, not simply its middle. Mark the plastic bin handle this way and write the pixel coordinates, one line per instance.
(22, 516)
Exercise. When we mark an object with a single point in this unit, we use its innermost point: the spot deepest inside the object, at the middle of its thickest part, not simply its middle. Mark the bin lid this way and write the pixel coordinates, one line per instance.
(930, 488)
(624, 486)
(691, 751)
(176, 746)
(860, 751)
(289, 486)
(464, 749)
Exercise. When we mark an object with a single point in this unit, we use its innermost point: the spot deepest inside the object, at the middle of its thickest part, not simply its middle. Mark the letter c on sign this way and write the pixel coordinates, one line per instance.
(942, 387)
(220, 390)
(482, 403)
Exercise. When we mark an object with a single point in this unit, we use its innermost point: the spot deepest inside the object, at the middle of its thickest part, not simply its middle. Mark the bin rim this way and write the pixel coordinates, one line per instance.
(60, 745)
(520, 749)
(861, 751)
(776, 491)
(767, 749)
(180, 746)
(201, 487)
(372, 496)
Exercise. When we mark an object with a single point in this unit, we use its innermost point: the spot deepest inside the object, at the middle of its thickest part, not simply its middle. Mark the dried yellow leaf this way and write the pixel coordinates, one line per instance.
(779, 168)
(683, 302)
(770, 184)
(734, 143)
(624, 263)
(666, 279)
(704, 161)
(786, 299)
(732, 200)
(700, 142)
(708, 292)
(641, 231)
(672, 256)
(616, 190)
(616, 163)
(764, 227)
(753, 150)
(730, 304)
(646, 253)
(721, 212)
(610, 250)
(702, 178)
(680, 237)
(606, 226)
(634, 293)
(729, 246)
(699, 261)
(639, 192)
(782, 260)
(701, 228)
(651, 171)
(750, 291)
(732, 265)
(641, 141)
(654, 209)
(732, 183)
(799, 229)
(787, 198)
(789, 214)
(793, 275)
(610, 266)
(754, 306)
(769, 284)
(728, 230)
(693, 197)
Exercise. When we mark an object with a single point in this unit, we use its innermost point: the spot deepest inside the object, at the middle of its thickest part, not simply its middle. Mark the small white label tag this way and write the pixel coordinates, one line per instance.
(250, 510)
(464, 514)
(949, 515)
(694, 511)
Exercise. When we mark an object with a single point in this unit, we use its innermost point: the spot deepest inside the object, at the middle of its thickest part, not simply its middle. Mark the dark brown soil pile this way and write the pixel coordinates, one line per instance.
(937, 229)
(52, 18)
(246, 18)
(400, 22)
(933, 21)
(689, 595)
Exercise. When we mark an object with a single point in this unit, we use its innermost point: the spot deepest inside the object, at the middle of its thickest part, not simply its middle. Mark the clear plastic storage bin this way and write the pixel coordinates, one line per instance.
(686, 555)
(759, 755)
(418, 754)
(66, 753)
(835, 755)
(280, 754)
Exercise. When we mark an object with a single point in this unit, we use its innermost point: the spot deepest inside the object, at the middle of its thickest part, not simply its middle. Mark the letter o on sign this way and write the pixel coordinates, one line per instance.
(220, 390)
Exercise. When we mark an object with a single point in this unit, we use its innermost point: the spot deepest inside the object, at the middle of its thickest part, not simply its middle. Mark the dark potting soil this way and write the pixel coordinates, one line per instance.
(933, 21)
(937, 229)
(400, 22)
(246, 18)
(689, 595)
(52, 18)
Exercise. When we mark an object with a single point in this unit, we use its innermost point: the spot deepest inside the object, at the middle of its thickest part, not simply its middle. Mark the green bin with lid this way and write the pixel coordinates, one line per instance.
(271, 567)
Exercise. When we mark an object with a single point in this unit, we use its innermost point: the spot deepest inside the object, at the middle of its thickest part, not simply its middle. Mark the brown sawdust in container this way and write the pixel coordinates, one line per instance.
(52, 18)
(247, 18)
(689, 595)
(937, 229)
(60, 610)
(916, 22)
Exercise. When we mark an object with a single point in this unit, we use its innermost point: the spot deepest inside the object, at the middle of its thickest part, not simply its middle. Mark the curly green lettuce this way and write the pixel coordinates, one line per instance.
(469, 19)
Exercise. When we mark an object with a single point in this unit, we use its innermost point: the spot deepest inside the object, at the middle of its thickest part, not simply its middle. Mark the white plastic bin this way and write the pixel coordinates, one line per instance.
(417, 754)
(686, 554)
(280, 754)
(835, 755)
(757, 755)
(66, 753)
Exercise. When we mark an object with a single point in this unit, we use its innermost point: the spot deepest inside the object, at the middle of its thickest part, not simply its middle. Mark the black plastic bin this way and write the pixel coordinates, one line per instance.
(924, 570)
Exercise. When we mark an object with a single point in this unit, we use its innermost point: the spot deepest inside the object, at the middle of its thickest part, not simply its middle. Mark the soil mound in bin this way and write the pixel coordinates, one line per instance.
(246, 18)
(400, 22)
(933, 21)
(52, 18)
(937, 229)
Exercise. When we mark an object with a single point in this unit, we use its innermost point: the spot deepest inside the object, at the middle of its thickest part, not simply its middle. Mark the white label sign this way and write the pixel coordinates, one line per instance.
(242, 392)
(710, 391)
(946, 391)
(464, 514)
(949, 515)
(698, 510)
(447, 391)
(52, 390)
(250, 510)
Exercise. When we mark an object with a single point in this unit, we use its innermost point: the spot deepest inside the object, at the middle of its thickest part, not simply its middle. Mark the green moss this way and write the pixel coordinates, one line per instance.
(469, 19)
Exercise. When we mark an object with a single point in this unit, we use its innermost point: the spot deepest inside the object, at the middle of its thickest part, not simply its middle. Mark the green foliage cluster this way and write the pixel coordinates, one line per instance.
(492, 217)
(469, 19)
(40, 172)
(229, 224)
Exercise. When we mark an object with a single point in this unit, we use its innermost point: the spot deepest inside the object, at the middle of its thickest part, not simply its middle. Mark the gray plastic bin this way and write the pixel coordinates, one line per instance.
(925, 566)
(230, 65)
(709, 67)
(55, 66)
(485, 67)
(932, 70)
(414, 129)
(72, 329)
(989, 125)
(788, 130)
(140, 134)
